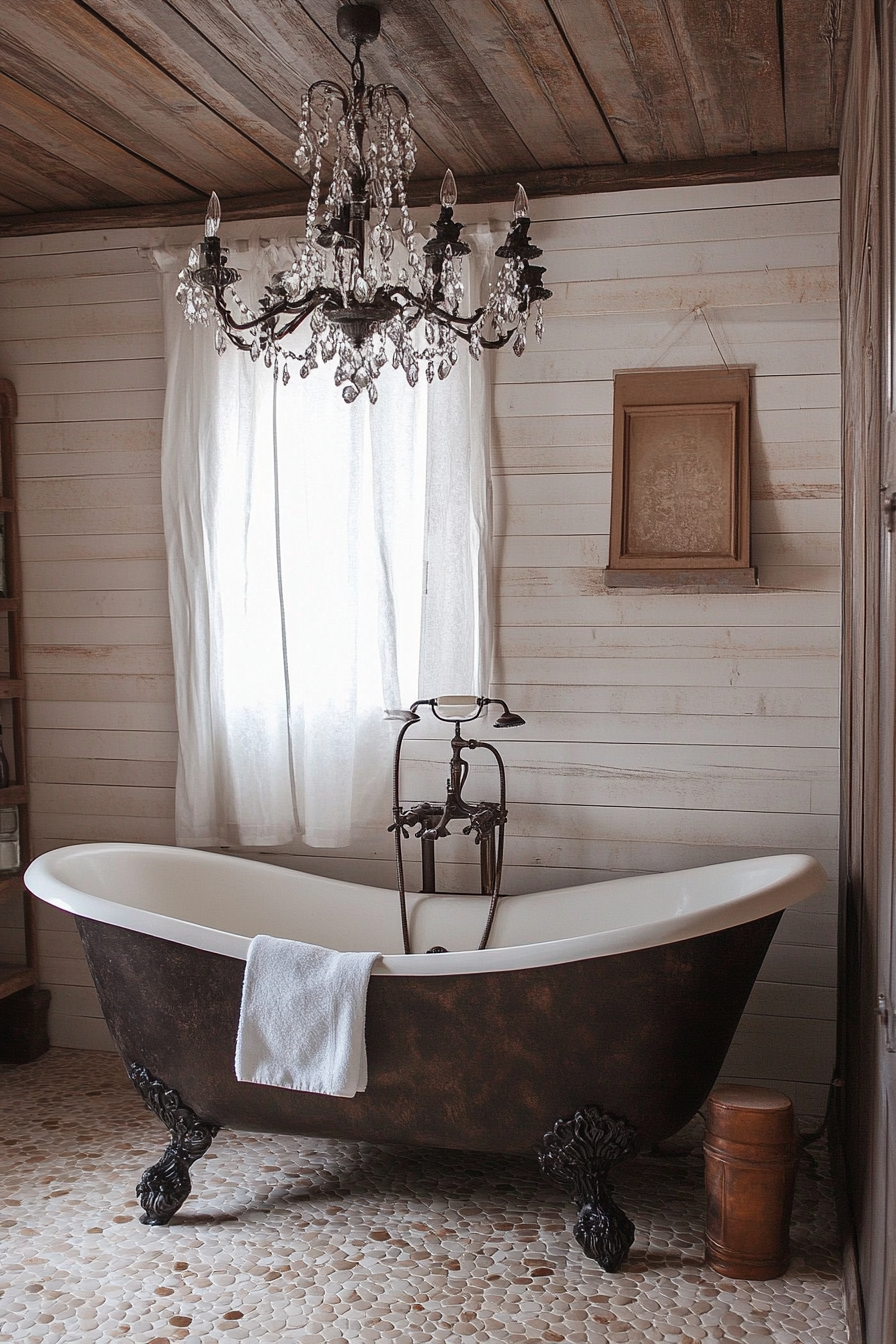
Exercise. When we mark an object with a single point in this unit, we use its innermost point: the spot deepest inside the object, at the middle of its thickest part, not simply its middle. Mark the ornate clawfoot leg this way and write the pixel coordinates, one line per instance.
(578, 1154)
(165, 1186)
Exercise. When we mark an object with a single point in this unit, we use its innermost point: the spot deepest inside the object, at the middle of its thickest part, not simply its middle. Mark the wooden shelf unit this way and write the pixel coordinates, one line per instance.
(14, 978)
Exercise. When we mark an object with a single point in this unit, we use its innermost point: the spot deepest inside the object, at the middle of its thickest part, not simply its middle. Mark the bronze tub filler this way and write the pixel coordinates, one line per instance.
(594, 1023)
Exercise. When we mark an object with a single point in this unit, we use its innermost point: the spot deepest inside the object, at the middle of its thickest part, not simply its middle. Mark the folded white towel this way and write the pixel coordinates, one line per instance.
(302, 1017)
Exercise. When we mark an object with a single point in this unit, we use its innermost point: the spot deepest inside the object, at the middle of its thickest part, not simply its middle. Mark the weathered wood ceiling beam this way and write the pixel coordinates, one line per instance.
(816, 36)
(63, 144)
(284, 49)
(471, 190)
(62, 52)
(185, 53)
(731, 57)
(626, 50)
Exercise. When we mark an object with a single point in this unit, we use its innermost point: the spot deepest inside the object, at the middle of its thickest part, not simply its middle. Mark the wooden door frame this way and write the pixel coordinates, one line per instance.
(865, 1114)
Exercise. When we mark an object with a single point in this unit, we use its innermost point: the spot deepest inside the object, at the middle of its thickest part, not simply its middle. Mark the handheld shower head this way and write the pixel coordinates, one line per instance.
(508, 719)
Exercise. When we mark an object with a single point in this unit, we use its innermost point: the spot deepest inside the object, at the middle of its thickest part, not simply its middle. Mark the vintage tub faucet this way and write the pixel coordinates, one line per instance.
(485, 819)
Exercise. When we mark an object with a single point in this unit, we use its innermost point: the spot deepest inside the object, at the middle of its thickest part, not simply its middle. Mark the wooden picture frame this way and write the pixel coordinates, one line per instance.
(680, 503)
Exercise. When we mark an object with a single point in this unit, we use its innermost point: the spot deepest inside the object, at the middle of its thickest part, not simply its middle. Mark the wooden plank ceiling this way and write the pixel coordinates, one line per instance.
(132, 111)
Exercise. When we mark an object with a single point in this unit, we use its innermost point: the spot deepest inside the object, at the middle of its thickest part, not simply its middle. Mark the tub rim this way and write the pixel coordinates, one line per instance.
(798, 876)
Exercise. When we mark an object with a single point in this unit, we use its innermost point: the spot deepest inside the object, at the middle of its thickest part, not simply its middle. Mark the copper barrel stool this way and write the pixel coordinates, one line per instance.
(751, 1154)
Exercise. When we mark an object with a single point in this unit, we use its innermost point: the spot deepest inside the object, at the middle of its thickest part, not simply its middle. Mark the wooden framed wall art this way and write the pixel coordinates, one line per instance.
(680, 509)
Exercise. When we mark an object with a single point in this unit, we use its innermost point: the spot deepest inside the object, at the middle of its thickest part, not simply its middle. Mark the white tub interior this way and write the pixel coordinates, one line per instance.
(219, 903)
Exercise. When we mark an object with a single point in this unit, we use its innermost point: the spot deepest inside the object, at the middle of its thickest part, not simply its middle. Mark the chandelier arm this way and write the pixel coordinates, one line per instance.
(311, 301)
(461, 326)
(385, 89)
(430, 309)
(330, 86)
(490, 343)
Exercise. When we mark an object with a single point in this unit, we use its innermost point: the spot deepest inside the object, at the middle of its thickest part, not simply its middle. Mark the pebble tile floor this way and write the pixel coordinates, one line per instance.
(310, 1240)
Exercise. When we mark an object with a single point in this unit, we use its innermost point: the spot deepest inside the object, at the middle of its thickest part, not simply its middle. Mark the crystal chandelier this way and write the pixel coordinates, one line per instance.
(363, 275)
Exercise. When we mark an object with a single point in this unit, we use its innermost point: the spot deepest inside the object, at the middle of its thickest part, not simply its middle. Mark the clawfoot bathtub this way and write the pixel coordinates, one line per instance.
(595, 1023)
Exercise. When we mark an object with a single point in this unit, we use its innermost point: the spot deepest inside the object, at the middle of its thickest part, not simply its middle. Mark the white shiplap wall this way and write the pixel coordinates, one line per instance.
(663, 729)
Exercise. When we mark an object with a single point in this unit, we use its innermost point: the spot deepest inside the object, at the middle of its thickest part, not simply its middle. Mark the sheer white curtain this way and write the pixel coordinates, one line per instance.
(326, 562)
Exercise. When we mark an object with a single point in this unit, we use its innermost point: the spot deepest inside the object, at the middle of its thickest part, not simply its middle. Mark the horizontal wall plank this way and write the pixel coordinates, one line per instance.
(72, 828)
(102, 658)
(98, 630)
(80, 349)
(800, 965)
(522, 751)
(96, 319)
(596, 787)
(110, 800)
(91, 770)
(92, 406)
(92, 522)
(132, 260)
(744, 702)
(750, 329)
(56, 466)
(79, 290)
(638, 228)
(565, 427)
(97, 577)
(782, 1047)
(812, 1002)
(136, 688)
(83, 602)
(75, 1001)
(551, 519)
(814, 391)
(54, 943)
(78, 377)
(64, 971)
(146, 716)
(93, 546)
(740, 609)
(681, 671)
(685, 729)
(656, 641)
(79, 1033)
(793, 548)
(545, 366)
(806, 284)
(706, 257)
(89, 437)
(533, 582)
(729, 197)
(112, 744)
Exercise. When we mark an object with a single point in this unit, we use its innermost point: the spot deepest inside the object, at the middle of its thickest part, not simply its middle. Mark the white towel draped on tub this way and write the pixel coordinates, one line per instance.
(302, 1017)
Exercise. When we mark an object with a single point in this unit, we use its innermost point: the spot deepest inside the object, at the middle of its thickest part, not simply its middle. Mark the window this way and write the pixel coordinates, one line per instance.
(326, 563)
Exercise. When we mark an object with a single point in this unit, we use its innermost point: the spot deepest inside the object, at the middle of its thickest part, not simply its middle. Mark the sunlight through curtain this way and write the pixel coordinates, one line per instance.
(326, 563)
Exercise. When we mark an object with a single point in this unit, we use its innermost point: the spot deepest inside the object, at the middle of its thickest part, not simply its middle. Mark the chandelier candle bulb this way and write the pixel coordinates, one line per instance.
(362, 295)
(212, 216)
(448, 194)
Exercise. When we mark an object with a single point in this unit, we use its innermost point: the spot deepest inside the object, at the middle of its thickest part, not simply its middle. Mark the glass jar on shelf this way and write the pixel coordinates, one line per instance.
(10, 847)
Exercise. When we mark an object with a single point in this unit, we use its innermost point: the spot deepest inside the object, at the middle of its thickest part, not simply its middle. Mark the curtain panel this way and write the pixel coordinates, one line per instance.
(327, 563)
